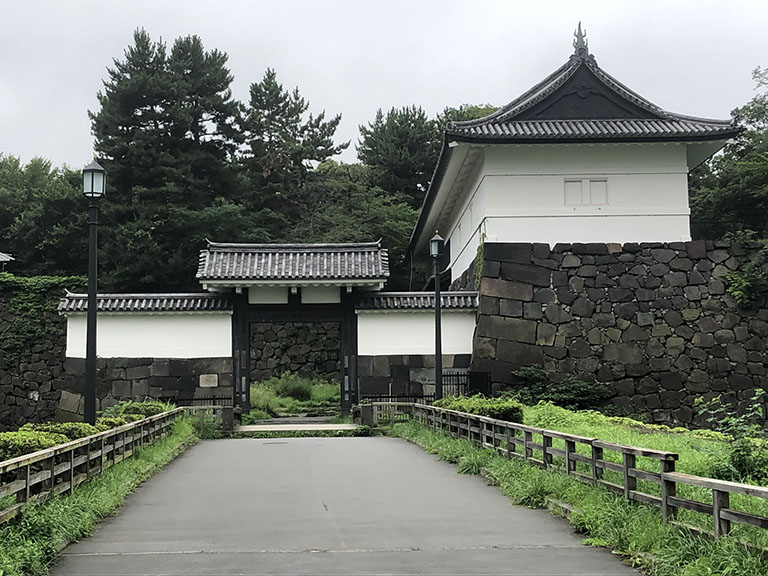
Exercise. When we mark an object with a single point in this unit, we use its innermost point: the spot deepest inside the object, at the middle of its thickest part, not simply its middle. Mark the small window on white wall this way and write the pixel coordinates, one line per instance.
(586, 192)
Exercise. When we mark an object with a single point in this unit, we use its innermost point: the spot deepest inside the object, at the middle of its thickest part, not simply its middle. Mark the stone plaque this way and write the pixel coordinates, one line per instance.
(209, 380)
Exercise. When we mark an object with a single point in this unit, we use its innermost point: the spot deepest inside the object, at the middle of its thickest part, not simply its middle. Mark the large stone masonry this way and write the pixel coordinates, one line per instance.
(654, 321)
(307, 348)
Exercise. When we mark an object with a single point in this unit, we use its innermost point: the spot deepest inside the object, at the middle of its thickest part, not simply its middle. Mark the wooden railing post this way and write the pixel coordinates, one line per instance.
(510, 444)
(546, 455)
(720, 502)
(527, 439)
(597, 471)
(630, 482)
(668, 488)
(570, 465)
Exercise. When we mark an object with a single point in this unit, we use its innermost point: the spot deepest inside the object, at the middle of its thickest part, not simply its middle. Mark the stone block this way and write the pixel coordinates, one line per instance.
(505, 289)
(121, 389)
(663, 255)
(557, 314)
(545, 334)
(634, 333)
(365, 366)
(160, 367)
(571, 261)
(526, 274)
(488, 305)
(532, 310)
(381, 366)
(484, 347)
(70, 402)
(491, 269)
(140, 389)
(696, 249)
(137, 373)
(579, 348)
(75, 366)
(519, 353)
(511, 308)
(582, 307)
(545, 296)
(623, 352)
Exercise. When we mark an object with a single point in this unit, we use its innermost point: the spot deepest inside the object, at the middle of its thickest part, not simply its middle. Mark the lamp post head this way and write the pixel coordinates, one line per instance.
(436, 245)
(94, 181)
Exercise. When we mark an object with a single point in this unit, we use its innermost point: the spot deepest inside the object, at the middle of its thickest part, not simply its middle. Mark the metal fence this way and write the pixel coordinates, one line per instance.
(36, 477)
(455, 383)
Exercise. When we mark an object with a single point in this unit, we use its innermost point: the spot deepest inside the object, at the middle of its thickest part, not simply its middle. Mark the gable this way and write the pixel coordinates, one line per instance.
(585, 97)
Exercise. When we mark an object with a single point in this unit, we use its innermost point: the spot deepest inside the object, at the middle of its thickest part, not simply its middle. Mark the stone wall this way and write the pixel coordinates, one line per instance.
(31, 371)
(654, 321)
(308, 348)
(170, 379)
(403, 374)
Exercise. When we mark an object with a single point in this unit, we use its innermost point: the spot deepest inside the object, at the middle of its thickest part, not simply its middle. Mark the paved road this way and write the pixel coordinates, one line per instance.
(327, 506)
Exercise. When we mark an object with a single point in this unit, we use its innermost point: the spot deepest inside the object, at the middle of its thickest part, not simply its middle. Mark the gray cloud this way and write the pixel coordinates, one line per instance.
(352, 57)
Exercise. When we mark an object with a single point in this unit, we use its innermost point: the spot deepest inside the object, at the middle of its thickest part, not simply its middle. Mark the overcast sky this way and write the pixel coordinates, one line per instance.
(354, 56)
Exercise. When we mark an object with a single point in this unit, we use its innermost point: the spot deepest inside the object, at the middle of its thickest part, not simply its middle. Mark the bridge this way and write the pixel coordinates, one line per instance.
(327, 506)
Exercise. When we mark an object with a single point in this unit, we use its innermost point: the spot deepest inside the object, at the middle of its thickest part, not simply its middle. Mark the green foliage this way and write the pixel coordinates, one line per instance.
(33, 540)
(133, 410)
(729, 192)
(363, 431)
(748, 440)
(72, 430)
(277, 397)
(104, 423)
(293, 386)
(500, 408)
(32, 306)
(20, 442)
(535, 386)
(749, 283)
(632, 530)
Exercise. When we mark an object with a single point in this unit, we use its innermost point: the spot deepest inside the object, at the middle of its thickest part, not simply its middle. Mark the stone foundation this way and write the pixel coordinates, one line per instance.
(654, 321)
(307, 348)
(168, 379)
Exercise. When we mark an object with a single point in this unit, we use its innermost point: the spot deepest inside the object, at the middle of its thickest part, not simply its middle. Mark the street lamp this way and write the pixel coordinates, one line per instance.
(436, 246)
(94, 184)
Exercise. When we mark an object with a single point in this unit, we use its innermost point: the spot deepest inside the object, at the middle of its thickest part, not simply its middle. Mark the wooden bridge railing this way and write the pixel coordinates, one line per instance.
(38, 476)
(587, 459)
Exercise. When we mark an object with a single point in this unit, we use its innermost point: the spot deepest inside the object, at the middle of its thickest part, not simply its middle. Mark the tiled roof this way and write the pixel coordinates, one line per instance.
(196, 302)
(6, 257)
(648, 122)
(416, 301)
(560, 130)
(287, 263)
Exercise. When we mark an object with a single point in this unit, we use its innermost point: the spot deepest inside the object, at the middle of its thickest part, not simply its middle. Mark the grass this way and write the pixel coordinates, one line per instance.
(631, 529)
(32, 540)
(270, 399)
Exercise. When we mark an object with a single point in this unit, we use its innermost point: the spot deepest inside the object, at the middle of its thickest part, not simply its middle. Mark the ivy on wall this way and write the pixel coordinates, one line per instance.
(749, 283)
(27, 303)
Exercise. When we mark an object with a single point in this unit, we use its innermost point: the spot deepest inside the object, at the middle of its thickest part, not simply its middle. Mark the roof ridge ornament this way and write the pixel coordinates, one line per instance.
(580, 43)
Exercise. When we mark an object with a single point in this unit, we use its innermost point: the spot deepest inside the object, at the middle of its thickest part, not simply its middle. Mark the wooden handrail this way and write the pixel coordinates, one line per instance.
(37, 476)
(505, 437)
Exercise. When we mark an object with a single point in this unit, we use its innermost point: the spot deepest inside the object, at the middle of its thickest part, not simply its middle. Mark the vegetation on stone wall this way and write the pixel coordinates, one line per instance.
(30, 303)
(291, 395)
(535, 385)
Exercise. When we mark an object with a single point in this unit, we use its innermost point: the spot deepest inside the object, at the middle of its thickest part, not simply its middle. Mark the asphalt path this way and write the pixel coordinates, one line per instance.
(327, 506)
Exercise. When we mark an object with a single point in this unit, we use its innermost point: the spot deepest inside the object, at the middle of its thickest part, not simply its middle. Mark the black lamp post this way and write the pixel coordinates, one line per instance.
(436, 246)
(94, 184)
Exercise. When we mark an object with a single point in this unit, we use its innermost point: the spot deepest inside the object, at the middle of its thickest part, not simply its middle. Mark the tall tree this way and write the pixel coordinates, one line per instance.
(42, 220)
(347, 207)
(401, 147)
(283, 145)
(730, 192)
(167, 130)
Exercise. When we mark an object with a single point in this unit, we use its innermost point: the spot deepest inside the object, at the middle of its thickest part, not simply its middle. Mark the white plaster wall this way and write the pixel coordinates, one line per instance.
(267, 295)
(413, 332)
(133, 335)
(320, 294)
(519, 197)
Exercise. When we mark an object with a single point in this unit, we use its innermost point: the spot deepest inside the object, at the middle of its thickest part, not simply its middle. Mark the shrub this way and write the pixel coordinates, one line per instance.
(20, 442)
(72, 430)
(293, 386)
(144, 409)
(748, 440)
(502, 408)
(534, 386)
(104, 423)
